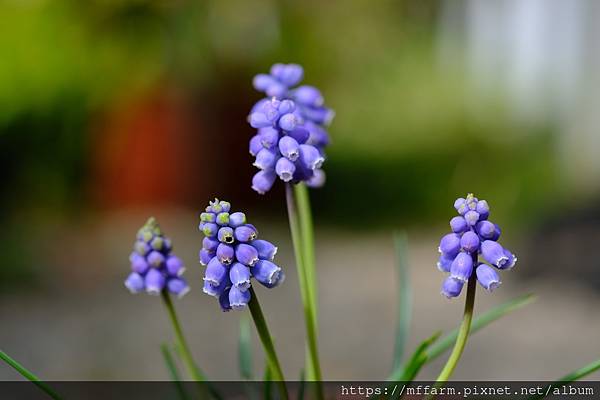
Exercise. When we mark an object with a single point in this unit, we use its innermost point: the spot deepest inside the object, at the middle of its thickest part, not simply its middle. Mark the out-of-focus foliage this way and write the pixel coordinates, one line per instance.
(406, 138)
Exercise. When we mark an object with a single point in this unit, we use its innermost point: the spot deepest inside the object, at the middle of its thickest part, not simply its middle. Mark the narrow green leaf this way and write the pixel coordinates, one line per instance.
(409, 371)
(245, 348)
(480, 322)
(206, 384)
(573, 376)
(29, 375)
(267, 383)
(419, 358)
(580, 373)
(302, 384)
(173, 372)
(404, 298)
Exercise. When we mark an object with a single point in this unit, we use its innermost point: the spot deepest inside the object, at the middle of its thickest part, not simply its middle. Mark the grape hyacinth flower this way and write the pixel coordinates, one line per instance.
(473, 237)
(291, 138)
(154, 268)
(233, 255)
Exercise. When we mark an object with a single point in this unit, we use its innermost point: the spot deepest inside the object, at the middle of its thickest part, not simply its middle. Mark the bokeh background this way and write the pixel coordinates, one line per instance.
(111, 111)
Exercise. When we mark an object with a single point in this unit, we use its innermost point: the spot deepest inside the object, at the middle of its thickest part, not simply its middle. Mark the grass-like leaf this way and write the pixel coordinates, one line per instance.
(434, 350)
(408, 372)
(573, 376)
(404, 298)
(204, 385)
(245, 348)
(173, 372)
(29, 375)
(480, 322)
(267, 383)
(302, 385)
(418, 359)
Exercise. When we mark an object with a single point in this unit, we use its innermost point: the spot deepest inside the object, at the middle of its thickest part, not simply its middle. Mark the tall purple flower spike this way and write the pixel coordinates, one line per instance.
(472, 236)
(291, 121)
(233, 255)
(153, 266)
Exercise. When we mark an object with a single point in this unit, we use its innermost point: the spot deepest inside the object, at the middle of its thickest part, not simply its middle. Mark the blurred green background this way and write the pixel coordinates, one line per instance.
(111, 110)
(82, 85)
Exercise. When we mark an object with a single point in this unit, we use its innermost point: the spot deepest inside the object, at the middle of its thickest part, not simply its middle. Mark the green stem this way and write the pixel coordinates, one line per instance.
(308, 244)
(463, 335)
(303, 279)
(29, 375)
(265, 338)
(180, 341)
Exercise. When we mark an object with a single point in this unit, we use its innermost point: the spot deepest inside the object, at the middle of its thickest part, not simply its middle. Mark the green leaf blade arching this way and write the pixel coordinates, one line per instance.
(404, 298)
(481, 322)
(173, 372)
(245, 348)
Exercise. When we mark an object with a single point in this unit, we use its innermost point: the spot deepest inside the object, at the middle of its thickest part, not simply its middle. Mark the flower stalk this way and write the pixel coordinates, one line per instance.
(180, 341)
(267, 342)
(308, 244)
(304, 278)
(461, 339)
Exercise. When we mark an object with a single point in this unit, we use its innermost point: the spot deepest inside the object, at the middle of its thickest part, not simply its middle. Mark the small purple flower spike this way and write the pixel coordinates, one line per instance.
(291, 124)
(233, 256)
(473, 236)
(155, 268)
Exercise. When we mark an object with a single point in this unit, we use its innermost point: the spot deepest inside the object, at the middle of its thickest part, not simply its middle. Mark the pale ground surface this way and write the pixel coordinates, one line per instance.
(84, 325)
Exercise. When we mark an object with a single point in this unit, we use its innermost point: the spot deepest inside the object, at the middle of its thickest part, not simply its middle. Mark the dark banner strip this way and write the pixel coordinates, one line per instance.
(151, 390)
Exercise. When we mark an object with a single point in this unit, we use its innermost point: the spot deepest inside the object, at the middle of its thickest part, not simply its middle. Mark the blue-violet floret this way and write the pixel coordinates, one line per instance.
(233, 255)
(291, 138)
(472, 236)
(154, 268)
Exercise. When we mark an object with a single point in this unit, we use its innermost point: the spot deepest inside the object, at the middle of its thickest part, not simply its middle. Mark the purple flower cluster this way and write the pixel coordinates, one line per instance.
(154, 268)
(233, 254)
(291, 136)
(472, 235)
